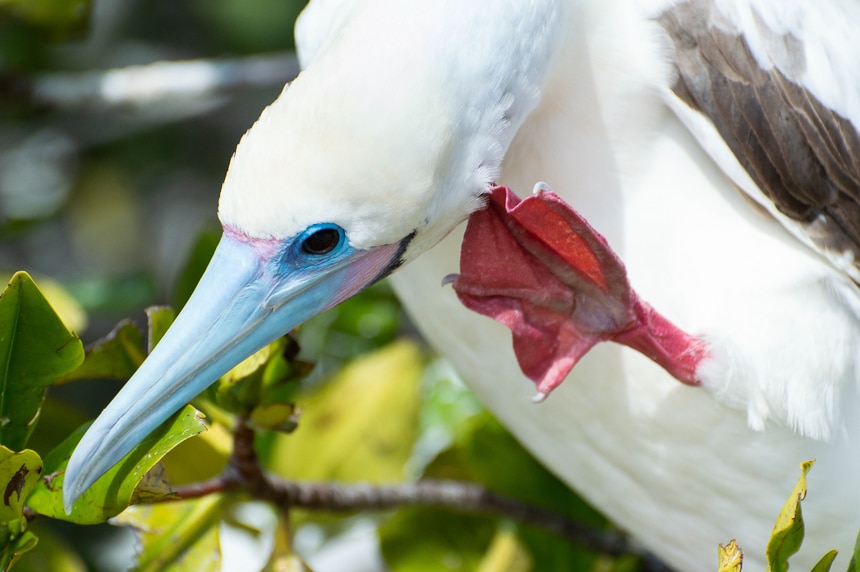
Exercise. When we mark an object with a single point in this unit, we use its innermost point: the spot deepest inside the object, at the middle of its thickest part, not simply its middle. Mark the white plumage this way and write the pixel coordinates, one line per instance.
(713, 142)
(681, 468)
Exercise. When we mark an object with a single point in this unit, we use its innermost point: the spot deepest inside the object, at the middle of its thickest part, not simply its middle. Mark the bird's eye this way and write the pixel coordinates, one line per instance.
(321, 241)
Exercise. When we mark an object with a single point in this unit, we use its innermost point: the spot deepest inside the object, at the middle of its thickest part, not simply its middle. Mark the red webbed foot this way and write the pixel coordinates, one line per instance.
(536, 266)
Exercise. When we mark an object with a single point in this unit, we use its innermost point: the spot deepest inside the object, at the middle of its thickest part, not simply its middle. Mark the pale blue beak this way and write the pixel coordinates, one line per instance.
(249, 296)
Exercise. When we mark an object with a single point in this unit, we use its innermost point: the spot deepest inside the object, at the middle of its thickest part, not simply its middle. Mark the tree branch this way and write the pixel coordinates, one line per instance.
(146, 84)
(245, 473)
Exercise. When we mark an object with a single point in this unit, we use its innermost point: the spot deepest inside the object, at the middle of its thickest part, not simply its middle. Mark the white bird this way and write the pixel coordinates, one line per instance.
(714, 143)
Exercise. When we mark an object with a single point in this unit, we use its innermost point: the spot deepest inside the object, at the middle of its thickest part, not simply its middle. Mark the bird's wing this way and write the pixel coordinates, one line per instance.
(771, 90)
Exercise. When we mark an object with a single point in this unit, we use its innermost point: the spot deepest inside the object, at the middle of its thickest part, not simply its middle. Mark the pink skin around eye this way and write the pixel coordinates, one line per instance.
(266, 248)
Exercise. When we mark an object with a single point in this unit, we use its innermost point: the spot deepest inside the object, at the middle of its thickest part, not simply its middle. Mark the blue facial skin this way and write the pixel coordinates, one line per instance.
(243, 302)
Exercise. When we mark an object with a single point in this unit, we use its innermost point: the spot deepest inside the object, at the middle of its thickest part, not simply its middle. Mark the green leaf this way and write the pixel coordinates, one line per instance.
(210, 451)
(280, 417)
(240, 389)
(787, 535)
(120, 353)
(19, 473)
(854, 564)
(506, 554)
(159, 319)
(35, 349)
(361, 425)
(14, 549)
(730, 557)
(113, 492)
(826, 562)
(63, 303)
(116, 356)
(176, 536)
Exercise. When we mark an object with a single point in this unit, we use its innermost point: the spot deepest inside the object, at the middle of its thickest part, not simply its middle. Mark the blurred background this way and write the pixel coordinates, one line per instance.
(107, 194)
(117, 123)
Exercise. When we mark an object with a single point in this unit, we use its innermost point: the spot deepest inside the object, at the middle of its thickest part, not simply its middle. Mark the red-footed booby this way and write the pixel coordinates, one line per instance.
(712, 147)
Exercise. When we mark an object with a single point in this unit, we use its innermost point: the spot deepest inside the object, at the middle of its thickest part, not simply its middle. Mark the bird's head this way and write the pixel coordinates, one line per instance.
(365, 161)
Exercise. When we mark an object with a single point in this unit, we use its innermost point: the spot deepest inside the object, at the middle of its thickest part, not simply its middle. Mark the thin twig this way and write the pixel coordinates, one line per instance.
(245, 473)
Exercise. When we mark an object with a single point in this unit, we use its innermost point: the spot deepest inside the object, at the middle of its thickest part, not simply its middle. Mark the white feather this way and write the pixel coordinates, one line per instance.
(408, 111)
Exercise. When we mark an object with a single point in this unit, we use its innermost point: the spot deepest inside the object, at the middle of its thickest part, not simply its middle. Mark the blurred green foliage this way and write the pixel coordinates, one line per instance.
(114, 211)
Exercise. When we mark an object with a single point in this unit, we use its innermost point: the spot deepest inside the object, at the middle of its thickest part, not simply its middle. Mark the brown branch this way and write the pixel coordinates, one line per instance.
(245, 473)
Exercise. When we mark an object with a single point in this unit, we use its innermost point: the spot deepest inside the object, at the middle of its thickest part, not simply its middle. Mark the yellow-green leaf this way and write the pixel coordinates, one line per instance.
(113, 492)
(855, 557)
(210, 451)
(506, 554)
(239, 390)
(19, 473)
(275, 417)
(361, 425)
(64, 304)
(788, 530)
(36, 348)
(826, 562)
(730, 557)
(176, 536)
(15, 548)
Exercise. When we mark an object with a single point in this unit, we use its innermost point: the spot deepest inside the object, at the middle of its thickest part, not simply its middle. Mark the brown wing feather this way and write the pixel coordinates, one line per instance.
(802, 155)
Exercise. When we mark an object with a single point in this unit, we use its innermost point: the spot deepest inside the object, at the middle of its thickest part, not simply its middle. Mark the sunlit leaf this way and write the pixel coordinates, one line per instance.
(361, 425)
(826, 562)
(506, 554)
(64, 304)
(788, 530)
(116, 356)
(280, 417)
(19, 473)
(730, 557)
(176, 536)
(240, 389)
(51, 554)
(35, 349)
(159, 319)
(112, 493)
(210, 452)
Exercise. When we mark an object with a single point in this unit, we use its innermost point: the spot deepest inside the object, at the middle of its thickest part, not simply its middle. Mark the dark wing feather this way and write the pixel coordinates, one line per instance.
(801, 154)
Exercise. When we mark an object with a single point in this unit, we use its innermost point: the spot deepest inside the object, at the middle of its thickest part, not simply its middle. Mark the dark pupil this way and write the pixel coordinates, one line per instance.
(321, 242)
